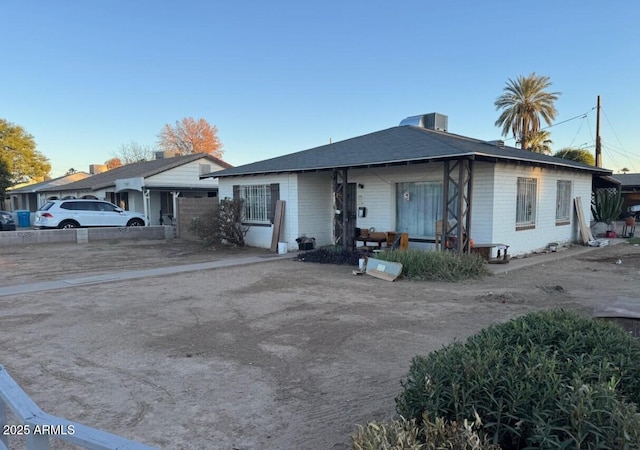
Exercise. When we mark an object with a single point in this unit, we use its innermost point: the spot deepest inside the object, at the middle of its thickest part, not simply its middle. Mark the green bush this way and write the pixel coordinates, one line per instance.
(421, 435)
(545, 380)
(436, 266)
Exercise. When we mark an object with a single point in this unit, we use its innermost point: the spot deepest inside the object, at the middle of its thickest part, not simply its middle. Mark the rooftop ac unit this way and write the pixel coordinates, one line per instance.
(432, 121)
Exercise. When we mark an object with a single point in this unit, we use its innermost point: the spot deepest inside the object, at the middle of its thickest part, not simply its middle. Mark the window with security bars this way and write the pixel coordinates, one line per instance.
(526, 203)
(563, 202)
(259, 202)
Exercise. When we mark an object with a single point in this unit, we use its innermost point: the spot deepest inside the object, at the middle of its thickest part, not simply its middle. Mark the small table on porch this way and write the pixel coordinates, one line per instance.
(377, 238)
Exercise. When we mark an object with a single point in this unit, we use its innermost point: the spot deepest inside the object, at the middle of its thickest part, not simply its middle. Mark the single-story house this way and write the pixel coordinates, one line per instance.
(407, 178)
(25, 197)
(150, 187)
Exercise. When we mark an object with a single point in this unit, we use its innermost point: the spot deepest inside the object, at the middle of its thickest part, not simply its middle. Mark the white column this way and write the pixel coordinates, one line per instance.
(146, 204)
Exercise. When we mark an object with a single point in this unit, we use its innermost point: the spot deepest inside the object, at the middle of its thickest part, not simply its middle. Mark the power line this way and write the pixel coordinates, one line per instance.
(579, 116)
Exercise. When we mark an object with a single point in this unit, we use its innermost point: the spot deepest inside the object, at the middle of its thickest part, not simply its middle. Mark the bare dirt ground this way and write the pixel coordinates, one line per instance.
(276, 355)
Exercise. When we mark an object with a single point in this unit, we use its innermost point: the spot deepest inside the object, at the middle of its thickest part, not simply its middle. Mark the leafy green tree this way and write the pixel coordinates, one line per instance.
(576, 154)
(541, 142)
(524, 103)
(5, 179)
(19, 154)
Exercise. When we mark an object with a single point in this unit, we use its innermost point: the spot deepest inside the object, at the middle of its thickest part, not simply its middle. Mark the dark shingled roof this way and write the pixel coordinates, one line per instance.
(54, 182)
(628, 180)
(142, 169)
(397, 145)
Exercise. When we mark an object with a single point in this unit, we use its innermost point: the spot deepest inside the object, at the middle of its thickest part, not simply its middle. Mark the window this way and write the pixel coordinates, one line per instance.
(563, 203)
(418, 207)
(259, 202)
(526, 203)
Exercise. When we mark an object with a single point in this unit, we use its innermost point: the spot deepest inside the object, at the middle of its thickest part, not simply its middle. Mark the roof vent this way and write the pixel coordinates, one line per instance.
(433, 121)
(498, 143)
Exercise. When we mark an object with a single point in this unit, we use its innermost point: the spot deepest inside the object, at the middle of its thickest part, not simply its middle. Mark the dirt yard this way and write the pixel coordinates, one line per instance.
(276, 355)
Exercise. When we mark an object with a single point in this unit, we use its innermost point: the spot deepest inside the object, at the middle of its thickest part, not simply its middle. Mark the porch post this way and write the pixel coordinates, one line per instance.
(146, 205)
(457, 204)
(175, 207)
(340, 221)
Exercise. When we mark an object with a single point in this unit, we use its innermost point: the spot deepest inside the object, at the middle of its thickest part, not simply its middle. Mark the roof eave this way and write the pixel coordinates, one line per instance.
(468, 155)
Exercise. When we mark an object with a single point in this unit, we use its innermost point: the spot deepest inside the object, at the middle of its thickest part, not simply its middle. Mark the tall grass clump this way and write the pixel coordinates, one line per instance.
(423, 434)
(545, 380)
(436, 266)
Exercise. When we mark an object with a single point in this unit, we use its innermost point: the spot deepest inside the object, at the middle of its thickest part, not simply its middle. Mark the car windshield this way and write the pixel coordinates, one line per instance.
(46, 206)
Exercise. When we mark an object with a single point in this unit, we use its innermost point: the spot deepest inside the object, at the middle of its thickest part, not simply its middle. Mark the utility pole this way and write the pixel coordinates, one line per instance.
(598, 142)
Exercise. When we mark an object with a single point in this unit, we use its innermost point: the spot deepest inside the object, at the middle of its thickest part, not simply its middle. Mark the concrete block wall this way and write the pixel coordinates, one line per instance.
(190, 208)
(83, 235)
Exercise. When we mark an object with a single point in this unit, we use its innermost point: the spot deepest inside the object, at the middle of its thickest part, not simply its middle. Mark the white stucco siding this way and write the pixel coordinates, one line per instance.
(545, 230)
(259, 235)
(315, 210)
(185, 175)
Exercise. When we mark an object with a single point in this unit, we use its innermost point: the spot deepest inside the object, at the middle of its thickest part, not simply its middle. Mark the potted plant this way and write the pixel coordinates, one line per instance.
(606, 207)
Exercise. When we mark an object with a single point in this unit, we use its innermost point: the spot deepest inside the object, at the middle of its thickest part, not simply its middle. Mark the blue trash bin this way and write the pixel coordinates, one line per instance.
(24, 219)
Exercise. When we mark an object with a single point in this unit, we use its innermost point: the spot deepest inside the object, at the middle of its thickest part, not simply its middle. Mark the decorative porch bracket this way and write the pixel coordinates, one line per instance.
(341, 235)
(456, 205)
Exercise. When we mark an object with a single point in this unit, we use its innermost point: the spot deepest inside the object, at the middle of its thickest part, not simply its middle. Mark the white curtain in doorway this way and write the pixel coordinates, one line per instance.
(418, 206)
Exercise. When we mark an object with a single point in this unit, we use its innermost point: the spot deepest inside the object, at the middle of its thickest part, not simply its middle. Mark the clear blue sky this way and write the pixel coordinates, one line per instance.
(86, 77)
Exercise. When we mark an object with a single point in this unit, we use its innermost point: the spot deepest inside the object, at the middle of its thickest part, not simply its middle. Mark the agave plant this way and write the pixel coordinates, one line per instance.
(606, 206)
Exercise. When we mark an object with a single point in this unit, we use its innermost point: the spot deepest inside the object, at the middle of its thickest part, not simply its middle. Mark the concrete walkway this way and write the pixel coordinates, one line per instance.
(133, 274)
(514, 264)
(520, 263)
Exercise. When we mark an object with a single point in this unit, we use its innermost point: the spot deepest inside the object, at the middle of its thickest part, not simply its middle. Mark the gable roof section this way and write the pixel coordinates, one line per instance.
(53, 183)
(393, 146)
(142, 169)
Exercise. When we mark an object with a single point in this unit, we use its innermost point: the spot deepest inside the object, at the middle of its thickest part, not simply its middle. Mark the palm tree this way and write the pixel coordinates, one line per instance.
(523, 103)
(540, 142)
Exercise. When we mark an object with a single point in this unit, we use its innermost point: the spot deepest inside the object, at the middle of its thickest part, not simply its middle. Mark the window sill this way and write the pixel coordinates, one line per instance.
(563, 222)
(525, 227)
(256, 224)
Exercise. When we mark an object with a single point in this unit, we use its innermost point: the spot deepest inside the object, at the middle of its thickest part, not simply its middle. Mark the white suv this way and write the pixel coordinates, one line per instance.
(75, 213)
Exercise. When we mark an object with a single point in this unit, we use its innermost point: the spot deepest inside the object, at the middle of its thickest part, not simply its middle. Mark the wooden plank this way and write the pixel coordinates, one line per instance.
(385, 270)
(585, 231)
(277, 225)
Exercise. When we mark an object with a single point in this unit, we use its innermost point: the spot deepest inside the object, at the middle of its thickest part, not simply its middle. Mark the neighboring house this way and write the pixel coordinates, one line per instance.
(149, 187)
(630, 188)
(25, 197)
(406, 178)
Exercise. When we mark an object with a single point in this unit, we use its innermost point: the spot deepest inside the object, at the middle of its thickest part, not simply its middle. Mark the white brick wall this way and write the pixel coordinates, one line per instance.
(546, 230)
(315, 207)
(260, 236)
(379, 192)
(309, 203)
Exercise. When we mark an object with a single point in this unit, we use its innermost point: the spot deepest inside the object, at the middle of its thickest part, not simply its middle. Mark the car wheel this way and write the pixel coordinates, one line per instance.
(135, 223)
(68, 224)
